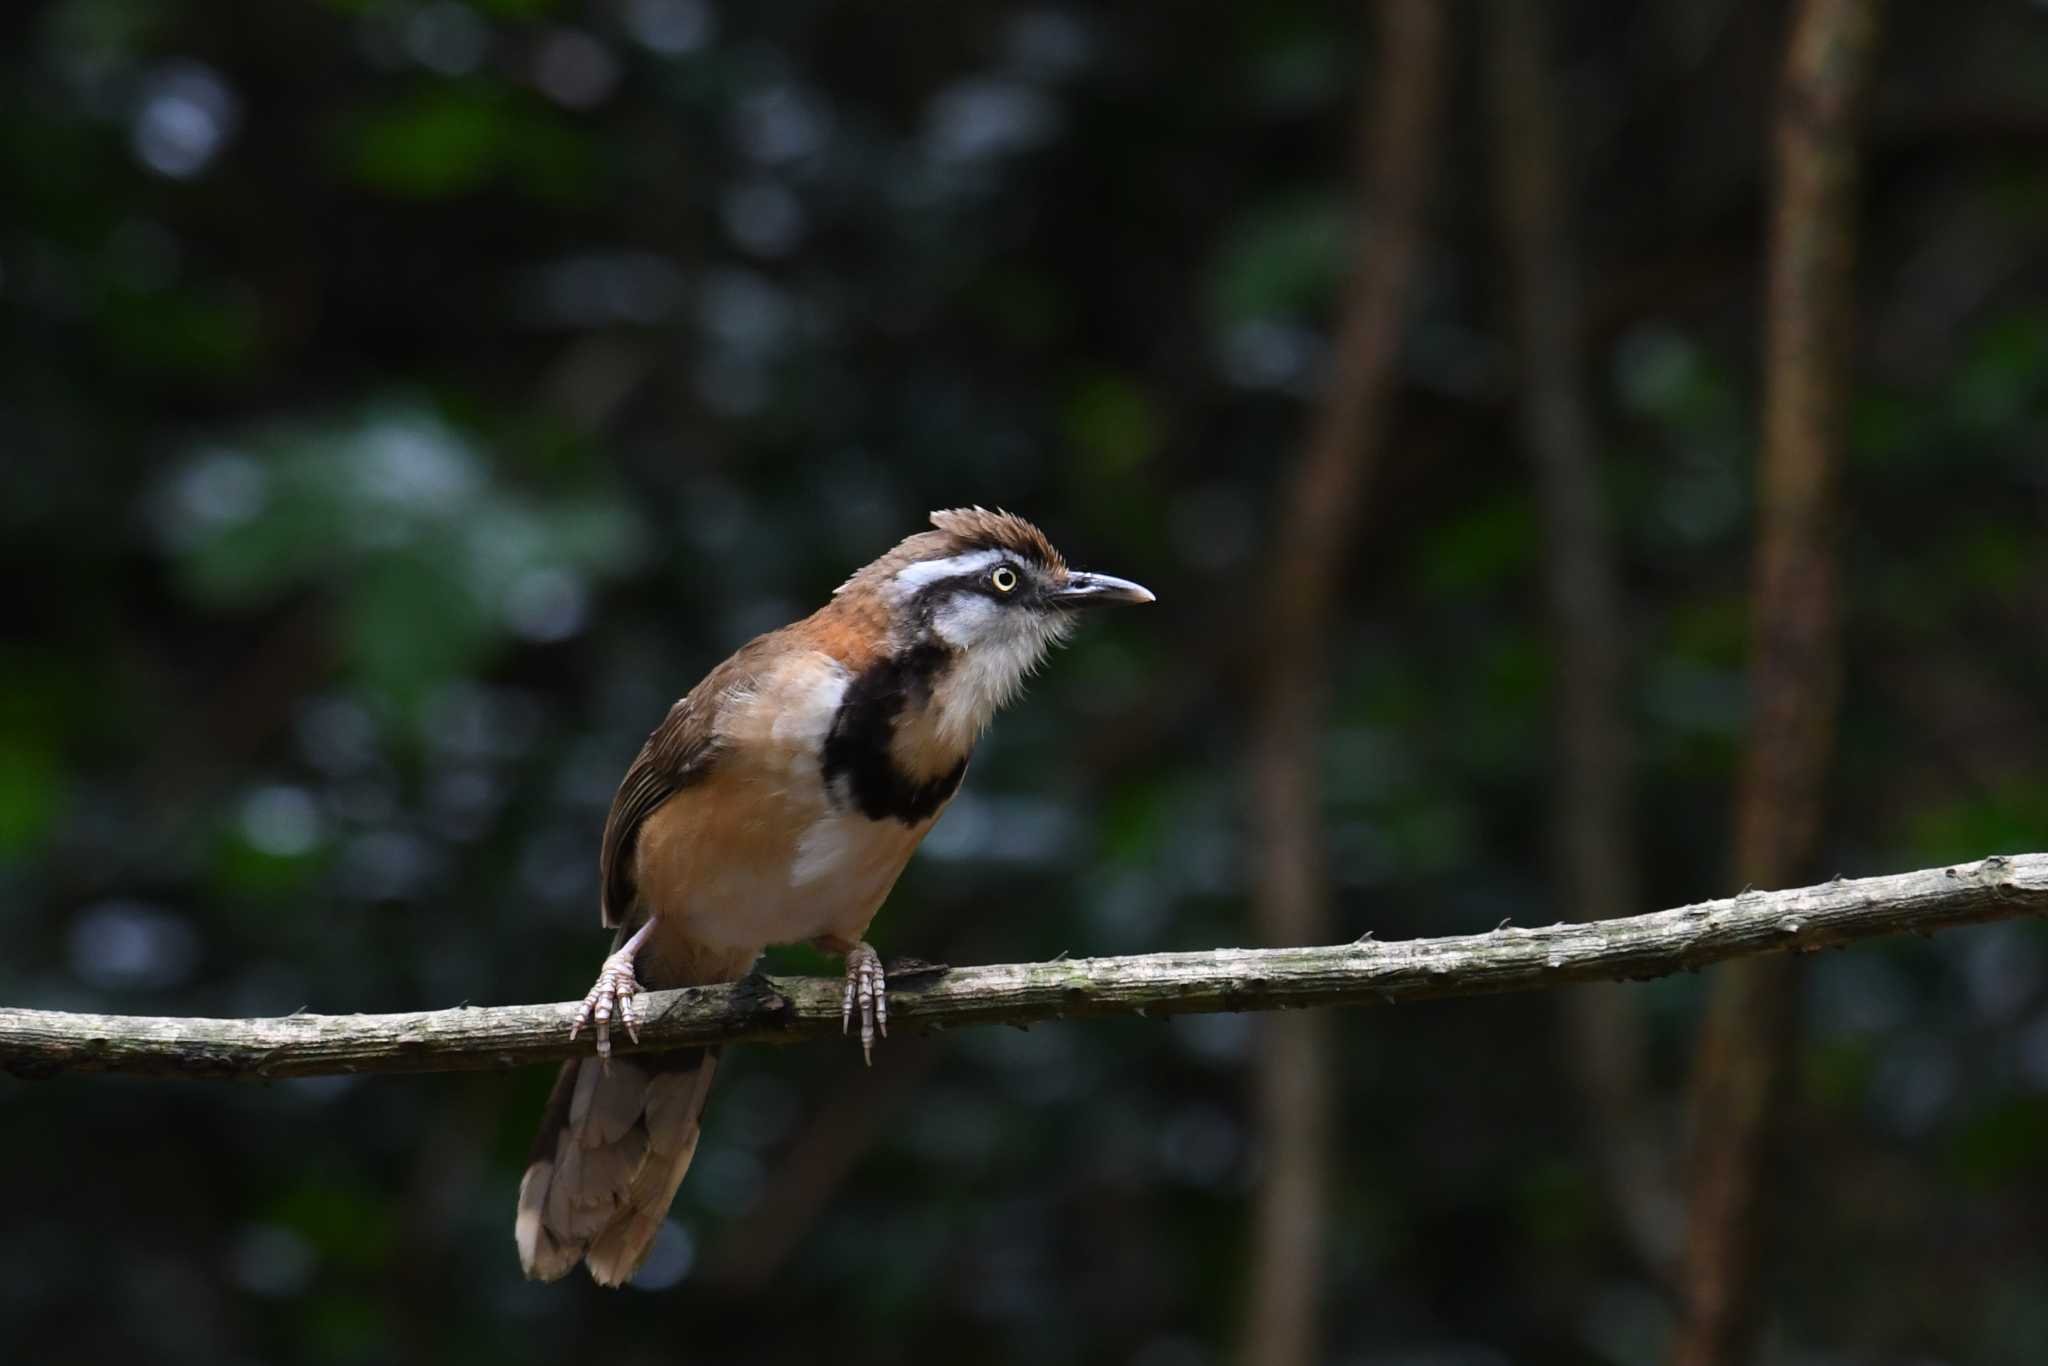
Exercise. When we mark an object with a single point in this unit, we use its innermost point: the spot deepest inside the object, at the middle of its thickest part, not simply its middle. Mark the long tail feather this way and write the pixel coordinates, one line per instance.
(612, 1148)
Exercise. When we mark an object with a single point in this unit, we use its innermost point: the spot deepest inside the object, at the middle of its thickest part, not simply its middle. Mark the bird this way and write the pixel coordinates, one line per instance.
(777, 803)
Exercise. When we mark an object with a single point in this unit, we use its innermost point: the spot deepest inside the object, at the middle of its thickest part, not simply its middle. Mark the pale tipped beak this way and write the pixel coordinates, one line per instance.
(1097, 590)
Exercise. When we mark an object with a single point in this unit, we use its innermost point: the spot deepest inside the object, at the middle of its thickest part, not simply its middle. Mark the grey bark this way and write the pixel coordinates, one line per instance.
(43, 1043)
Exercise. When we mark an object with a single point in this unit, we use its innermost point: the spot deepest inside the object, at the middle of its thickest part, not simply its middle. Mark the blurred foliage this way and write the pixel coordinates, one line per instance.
(404, 401)
(429, 565)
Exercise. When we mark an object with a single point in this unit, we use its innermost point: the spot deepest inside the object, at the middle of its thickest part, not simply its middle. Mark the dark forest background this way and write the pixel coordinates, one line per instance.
(401, 403)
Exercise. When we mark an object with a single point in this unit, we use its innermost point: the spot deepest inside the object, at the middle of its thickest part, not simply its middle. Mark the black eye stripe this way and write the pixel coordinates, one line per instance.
(927, 596)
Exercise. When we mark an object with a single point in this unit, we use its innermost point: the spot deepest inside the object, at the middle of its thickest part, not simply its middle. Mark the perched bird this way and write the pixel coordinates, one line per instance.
(777, 804)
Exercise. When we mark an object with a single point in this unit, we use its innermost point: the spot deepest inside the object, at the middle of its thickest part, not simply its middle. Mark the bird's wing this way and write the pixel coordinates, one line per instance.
(681, 751)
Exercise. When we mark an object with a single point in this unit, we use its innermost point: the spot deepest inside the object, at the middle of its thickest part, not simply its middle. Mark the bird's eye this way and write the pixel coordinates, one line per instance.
(1002, 578)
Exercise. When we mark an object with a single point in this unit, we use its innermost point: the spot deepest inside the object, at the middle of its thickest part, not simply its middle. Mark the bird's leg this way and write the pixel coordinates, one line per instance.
(615, 989)
(866, 988)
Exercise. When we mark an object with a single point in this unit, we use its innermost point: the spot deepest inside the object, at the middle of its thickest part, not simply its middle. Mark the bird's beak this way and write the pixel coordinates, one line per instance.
(1095, 590)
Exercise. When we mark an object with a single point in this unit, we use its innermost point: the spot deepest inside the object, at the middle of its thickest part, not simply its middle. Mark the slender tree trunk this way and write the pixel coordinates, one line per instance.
(1595, 857)
(1794, 655)
(1319, 512)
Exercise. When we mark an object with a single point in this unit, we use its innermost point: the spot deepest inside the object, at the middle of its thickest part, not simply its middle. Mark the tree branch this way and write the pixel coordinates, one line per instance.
(43, 1043)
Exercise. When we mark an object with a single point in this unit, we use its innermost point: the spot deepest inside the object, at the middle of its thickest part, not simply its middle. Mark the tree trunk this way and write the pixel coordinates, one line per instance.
(1595, 855)
(1319, 512)
(1795, 664)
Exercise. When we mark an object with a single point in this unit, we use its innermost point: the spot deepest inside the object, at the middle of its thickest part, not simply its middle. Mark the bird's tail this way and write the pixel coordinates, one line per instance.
(612, 1148)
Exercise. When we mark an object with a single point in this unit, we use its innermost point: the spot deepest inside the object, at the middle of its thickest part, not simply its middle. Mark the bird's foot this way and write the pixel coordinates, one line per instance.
(867, 988)
(613, 993)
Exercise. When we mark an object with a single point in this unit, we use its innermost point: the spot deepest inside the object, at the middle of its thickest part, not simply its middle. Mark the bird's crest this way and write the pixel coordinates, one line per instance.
(977, 528)
(963, 531)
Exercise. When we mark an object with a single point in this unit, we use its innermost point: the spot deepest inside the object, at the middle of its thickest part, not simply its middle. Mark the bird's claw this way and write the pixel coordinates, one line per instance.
(616, 990)
(867, 987)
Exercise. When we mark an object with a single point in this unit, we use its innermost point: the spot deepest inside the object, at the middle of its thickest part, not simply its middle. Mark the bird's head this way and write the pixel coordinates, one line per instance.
(984, 595)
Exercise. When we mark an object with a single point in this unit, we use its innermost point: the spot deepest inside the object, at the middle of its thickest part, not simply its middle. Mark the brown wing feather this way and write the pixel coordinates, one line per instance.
(679, 752)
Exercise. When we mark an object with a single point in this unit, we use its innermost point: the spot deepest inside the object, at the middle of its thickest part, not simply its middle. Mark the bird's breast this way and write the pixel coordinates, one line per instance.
(805, 821)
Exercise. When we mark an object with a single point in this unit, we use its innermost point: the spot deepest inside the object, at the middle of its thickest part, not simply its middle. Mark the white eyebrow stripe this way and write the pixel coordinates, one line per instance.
(915, 576)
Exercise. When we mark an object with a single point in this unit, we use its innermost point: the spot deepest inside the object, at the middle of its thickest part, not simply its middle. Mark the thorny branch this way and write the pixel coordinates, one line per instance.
(43, 1043)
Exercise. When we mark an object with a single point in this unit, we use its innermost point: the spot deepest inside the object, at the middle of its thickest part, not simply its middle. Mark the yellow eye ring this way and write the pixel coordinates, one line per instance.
(1002, 578)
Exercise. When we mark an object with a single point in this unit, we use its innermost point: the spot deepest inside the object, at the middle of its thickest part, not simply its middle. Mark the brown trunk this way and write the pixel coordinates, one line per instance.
(1595, 861)
(1794, 657)
(1318, 513)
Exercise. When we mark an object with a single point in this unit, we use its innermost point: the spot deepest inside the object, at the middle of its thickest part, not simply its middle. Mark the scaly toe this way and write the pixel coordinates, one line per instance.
(613, 994)
(867, 988)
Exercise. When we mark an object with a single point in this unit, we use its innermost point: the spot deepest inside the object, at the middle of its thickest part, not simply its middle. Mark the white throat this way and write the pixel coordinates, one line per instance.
(999, 647)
